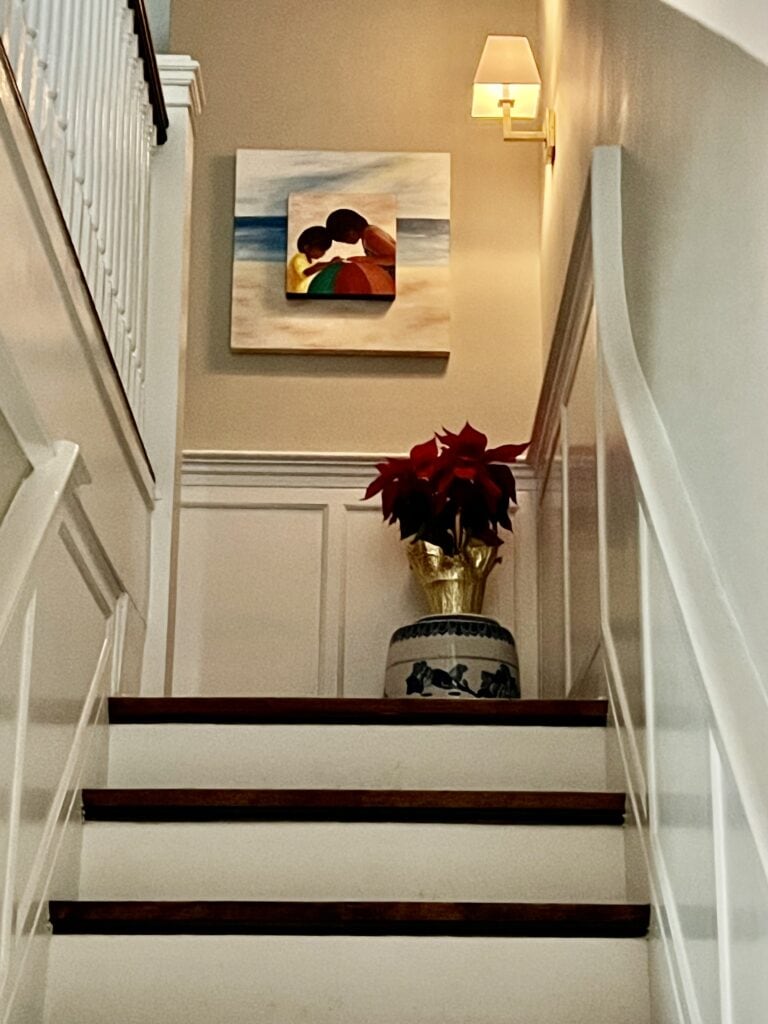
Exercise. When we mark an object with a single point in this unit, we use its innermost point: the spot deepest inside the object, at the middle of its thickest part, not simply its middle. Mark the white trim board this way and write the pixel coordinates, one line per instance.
(206, 467)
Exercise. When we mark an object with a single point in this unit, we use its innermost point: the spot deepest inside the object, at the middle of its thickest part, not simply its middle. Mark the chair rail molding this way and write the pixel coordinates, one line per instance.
(303, 583)
(205, 467)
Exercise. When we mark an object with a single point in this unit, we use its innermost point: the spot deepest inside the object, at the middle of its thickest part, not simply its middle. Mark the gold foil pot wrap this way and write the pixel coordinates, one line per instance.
(453, 584)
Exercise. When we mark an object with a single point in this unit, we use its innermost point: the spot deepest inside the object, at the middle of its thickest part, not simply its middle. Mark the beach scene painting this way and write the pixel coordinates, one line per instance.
(405, 196)
(341, 246)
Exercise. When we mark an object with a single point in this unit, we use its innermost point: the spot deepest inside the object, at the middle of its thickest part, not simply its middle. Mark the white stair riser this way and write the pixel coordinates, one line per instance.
(355, 861)
(388, 757)
(345, 980)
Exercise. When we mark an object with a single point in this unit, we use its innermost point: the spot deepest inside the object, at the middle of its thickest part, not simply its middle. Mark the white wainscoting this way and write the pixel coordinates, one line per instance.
(289, 585)
(689, 706)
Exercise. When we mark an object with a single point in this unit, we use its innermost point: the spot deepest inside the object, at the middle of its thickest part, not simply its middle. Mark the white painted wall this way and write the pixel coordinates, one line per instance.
(14, 465)
(159, 12)
(289, 586)
(744, 22)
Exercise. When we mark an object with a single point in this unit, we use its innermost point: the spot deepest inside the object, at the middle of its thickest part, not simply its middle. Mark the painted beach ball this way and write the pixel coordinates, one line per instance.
(352, 279)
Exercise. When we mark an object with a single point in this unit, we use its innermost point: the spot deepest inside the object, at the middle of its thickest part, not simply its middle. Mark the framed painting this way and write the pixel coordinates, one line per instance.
(319, 225)
(341, 246)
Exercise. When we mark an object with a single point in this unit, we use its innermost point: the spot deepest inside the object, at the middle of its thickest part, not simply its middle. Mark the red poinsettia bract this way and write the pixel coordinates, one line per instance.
(450, 490)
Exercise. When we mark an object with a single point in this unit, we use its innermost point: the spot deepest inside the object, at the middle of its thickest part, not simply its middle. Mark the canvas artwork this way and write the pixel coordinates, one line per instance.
(341, 246)
(394, 249)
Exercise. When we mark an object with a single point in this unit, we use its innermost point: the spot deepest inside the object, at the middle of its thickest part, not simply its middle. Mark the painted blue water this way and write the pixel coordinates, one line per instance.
(421, 242)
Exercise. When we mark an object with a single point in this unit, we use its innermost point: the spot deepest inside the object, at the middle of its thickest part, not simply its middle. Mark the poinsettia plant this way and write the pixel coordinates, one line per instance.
(450, 490)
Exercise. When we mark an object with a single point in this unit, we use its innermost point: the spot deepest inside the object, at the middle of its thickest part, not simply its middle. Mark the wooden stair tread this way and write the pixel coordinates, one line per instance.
(355, 711)
(485, 807)
(218, 917)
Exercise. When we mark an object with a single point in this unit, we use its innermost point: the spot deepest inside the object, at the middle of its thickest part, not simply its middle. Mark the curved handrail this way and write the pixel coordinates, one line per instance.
(737, 698)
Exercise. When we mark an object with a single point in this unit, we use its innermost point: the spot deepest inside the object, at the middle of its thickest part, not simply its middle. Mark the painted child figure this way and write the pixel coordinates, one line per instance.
(350, 227)
(312, 243)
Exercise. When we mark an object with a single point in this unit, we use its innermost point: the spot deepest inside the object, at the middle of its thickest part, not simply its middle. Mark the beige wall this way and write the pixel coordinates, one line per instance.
(13, 466)
(350, 75)
(691, 111)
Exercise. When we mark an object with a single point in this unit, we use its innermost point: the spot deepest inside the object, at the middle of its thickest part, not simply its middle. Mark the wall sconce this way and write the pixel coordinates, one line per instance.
(508, 86)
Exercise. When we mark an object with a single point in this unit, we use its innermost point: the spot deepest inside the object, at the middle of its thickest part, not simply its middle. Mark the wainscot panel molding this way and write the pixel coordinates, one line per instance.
(296, 469)
(289, 585)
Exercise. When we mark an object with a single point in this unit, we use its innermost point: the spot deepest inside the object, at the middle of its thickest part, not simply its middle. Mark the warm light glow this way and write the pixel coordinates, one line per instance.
(506, 70)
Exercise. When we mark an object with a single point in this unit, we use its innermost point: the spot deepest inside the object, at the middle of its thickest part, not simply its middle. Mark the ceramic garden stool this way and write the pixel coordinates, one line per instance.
(465, 656)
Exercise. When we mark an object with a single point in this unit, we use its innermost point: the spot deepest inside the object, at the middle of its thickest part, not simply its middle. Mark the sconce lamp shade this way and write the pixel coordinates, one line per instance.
(507, 71)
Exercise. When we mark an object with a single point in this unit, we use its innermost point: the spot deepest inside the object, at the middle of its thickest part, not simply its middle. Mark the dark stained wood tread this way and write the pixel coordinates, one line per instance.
(224, 917)
(488, 807)
(354, 711)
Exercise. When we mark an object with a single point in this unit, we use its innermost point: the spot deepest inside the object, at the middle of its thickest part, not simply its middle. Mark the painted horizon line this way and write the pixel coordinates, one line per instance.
(421, 241)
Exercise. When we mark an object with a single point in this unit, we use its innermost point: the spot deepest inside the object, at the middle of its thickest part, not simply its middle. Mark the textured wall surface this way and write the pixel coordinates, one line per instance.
(340, 74)
(13, 466)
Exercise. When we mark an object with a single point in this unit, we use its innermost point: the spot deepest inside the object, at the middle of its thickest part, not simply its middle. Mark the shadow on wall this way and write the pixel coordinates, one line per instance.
(221, 360)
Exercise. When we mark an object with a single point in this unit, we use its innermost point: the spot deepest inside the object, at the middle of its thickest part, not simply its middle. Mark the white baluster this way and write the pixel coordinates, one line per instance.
(99, 146)
(130, 296)
(79, 72)
(51, 138)
(130, 243)
(5, 22)
(26, 49)
(142, 255)
(77, 136)
(66, 102)
(15, 34)
(117, 178)
(39, 22)
(107, 188)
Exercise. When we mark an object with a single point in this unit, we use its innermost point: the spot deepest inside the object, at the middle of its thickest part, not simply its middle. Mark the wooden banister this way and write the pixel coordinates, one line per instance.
(151, 72)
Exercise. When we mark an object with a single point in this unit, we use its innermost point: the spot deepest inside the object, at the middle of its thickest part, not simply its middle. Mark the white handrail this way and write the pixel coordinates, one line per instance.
(81, 76)
(737, 698)
(29, 519)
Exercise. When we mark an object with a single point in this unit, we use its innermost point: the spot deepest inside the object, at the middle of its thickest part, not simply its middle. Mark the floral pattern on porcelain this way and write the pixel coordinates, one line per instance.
(455, 656)
(494, 684)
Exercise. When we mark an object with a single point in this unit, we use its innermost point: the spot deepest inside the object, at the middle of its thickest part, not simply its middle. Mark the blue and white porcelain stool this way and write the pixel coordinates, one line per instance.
(464, 656)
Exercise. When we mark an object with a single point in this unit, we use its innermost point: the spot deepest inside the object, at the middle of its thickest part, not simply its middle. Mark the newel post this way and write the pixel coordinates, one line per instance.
(168, 295)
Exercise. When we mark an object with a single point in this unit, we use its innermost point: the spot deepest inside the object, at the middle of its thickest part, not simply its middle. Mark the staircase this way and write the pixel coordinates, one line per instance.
(336, 861)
